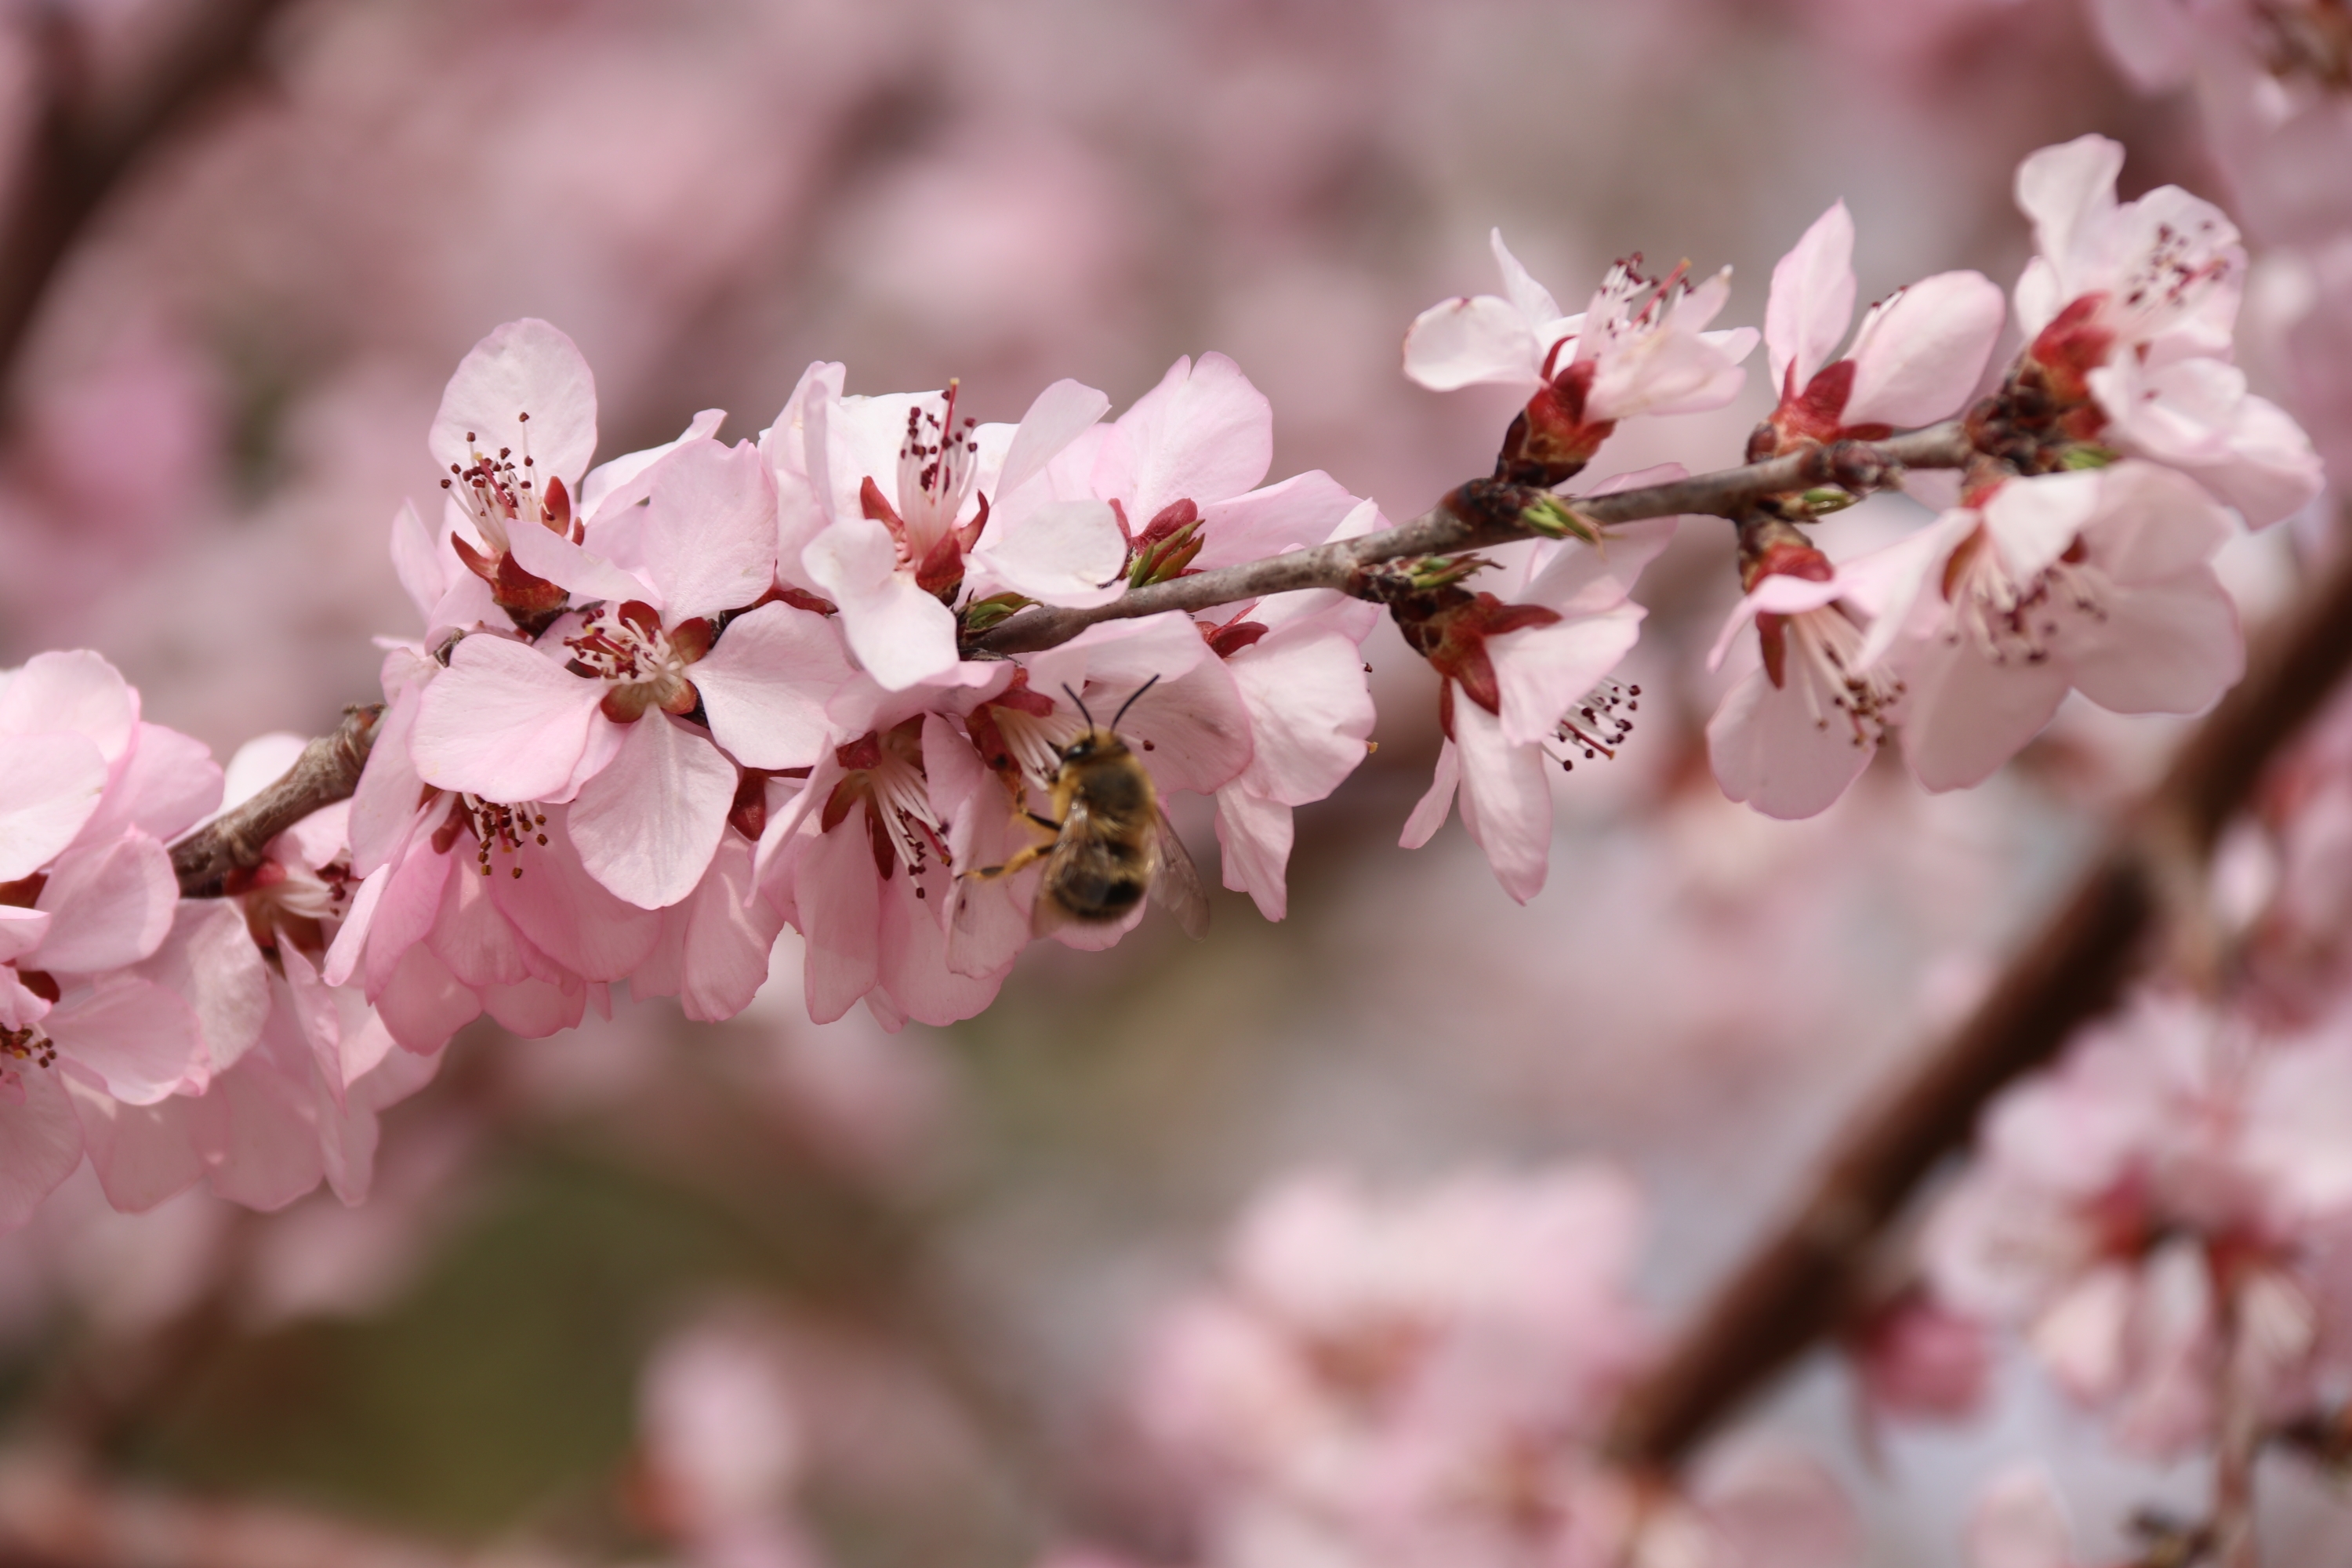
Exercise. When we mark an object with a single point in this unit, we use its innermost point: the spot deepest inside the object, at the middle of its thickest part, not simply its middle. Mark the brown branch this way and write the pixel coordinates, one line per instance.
(1455, 524)
(328, 771)
(79, 151)
(1797, 1285)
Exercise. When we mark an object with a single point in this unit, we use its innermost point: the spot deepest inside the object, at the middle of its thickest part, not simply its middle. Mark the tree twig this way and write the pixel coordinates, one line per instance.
(1456, 524)
(1799, 1282)
(78, 152)
(328, 771)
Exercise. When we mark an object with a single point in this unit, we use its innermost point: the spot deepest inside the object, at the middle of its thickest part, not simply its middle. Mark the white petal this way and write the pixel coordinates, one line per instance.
(1772, 749)
(1429, 812)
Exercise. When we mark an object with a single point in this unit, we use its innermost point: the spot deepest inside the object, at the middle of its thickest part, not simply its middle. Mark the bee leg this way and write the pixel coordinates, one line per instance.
(1043, 821)
(1022, 858)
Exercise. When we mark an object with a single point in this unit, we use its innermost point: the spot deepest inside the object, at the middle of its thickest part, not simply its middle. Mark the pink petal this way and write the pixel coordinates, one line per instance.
(524, 367)
(1575, 579)
(1919, 355)
(765, 685)
(1061, 552)
(625, 480)
(1194, 732)
(566, 913)
(795, 447)
(1310, 710)
(2169, 647)
(77, 692)
(110, 905)
(504, 721)
(40, 1144)
(1253, 836)
(1429, 814)
(1204, 434)
(1545, 671)
(545, 553)
(473, 936)
(1769, 751)
(210, 962)
(727, 938)
(709, 531)
(405, 910)
(1472, 341)
(646, 826)
(2063, 189)
(1506, 801)
(142, 1153)
(840, 903)
(1965, 716)
(901, 634)
(49, 786)
(1776, 1508)
(534, 1009)
(169, 783)
(420, 562)
(1811, 301)
(1529, 297)
(21, 930)
(423, 1003)
(913, 968)
(2035, 521)
(132, 1037)
(385, 806)
(1305, 510)
(1055, 419)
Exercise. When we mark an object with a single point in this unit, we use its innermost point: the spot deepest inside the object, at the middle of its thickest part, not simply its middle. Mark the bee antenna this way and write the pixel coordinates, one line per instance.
(1130, 701)
(1081, 703)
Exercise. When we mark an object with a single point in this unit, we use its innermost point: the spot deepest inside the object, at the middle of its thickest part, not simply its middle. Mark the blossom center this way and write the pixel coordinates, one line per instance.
(645, 663)
(1823, 649)
(1596, 727)
(886, 775)
(500, 489)
(494, 825)
(2014, 621)
(936, 463)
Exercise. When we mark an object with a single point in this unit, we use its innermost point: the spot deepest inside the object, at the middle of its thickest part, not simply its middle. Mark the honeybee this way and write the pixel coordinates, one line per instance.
(1112, 841)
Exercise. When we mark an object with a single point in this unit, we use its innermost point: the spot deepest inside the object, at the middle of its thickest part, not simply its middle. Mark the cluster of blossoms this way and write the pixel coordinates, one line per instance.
(2077, 557)
(1430, 1378)
(660, 708)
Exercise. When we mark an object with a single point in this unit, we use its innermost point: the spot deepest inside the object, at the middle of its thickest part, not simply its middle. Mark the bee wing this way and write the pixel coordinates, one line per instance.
(1177, 887)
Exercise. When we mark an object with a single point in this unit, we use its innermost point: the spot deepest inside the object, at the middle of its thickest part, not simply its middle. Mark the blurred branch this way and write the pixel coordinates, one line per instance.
(52, 1516)
(328, 771)
(1798, 1284)
(78, 150)
(1487, 512)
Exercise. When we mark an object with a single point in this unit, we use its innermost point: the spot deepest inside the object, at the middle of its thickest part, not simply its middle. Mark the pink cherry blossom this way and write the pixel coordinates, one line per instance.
(1917, 357)
(1637, 348)
(2171, 1159)
(920, 506)
(1526, 686)
(2129, 308)
(607, 695)
(722, 1449)
(1795, 732)
(2019, 1522)
(75, 1020)
(2099, 582)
